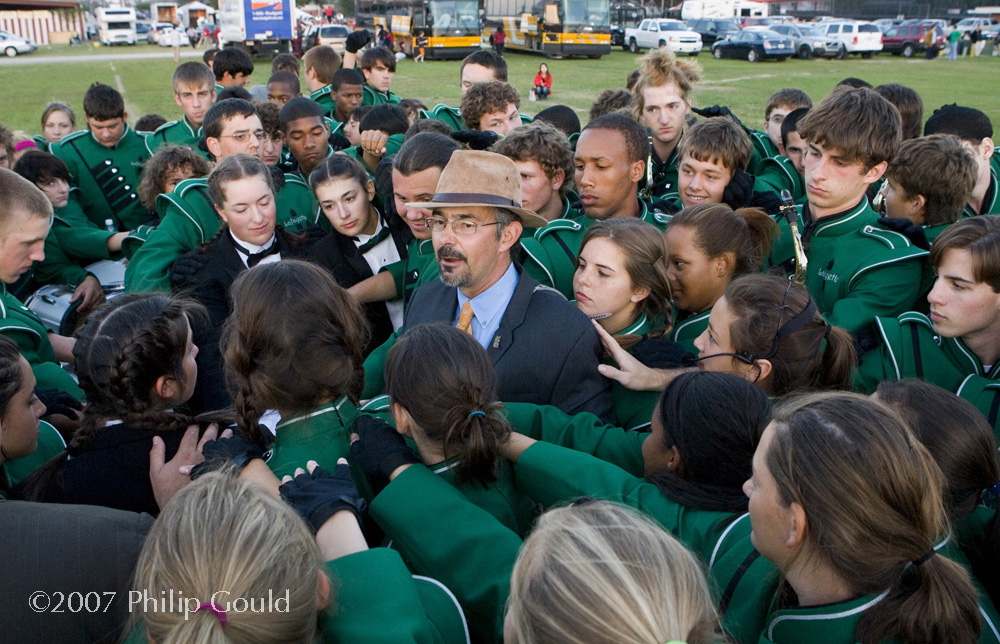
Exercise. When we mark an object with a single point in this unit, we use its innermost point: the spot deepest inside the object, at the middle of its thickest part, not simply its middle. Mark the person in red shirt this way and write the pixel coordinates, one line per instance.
(543, 82)
(498, 39)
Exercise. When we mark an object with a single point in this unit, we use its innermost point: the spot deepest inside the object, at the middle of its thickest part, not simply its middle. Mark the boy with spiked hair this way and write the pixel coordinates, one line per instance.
(662, 103)
(194, 92)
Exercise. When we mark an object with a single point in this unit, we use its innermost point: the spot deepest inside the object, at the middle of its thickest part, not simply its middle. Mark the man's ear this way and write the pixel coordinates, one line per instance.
(510, 235)
(875, 172)
(635, 171)
(558, 179)
(213, 146)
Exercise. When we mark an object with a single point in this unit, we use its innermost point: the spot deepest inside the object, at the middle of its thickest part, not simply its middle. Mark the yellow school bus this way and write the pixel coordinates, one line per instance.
(452, 27)
(555, 28)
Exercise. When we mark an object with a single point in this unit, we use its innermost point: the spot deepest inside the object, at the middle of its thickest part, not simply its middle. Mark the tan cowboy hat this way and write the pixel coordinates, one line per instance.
(484, 179)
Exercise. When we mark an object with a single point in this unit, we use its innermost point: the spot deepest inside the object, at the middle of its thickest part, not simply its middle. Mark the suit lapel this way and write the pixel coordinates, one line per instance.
(513, 317)
(232, 264)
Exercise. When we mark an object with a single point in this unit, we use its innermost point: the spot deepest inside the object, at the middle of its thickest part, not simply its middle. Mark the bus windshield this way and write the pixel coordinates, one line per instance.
(455, 14)
(587, 13)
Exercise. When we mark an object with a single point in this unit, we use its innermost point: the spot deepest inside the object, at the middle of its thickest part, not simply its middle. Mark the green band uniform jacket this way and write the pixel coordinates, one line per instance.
(775, 174)
(176, 133)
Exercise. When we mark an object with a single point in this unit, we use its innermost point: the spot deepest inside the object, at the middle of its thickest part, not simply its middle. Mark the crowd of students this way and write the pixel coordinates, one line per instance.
(390, 373)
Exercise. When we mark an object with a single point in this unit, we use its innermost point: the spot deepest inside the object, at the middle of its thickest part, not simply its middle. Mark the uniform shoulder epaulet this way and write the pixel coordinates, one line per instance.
(74, 135)
(556, 225)
(914, 317)
(377, 404)
(661, 217)
(322, 91)
(165, 126)
(441, 107)
(188, 184)
(890, 238)
(294, 178)
(525, 119)
(541, 288)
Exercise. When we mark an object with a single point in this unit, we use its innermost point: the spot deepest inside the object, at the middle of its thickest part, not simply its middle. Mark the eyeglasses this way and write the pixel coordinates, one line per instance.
(777, 119)
(460, 226)
(243, 137)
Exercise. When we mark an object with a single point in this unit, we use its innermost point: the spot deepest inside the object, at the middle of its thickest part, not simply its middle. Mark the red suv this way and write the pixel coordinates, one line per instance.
(908, 38)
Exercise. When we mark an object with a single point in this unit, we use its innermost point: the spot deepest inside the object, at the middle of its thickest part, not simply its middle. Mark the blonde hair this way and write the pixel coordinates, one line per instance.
(658, 68)
(600, 572)
(224, 539)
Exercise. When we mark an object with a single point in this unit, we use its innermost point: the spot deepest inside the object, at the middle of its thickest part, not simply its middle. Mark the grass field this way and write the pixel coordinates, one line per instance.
(743, 86)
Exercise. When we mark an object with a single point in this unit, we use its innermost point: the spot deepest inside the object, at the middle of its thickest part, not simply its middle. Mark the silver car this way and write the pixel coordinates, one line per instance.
(12, 45)
(809, 41)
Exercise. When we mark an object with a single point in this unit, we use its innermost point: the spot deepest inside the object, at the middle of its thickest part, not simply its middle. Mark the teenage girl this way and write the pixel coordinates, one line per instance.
(598, 572)
(58, 120)
(543, 82)
(293, 343)
(361, 242)
(765, 329)
(136, 362)
(709, 246)
(621, 282)
(443, 392)
(845, 513)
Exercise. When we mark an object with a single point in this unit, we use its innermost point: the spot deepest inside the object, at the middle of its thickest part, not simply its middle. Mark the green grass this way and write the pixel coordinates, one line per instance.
(743, 86)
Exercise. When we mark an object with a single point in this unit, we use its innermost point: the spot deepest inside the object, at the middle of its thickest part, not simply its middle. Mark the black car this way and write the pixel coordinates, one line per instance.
(713, 29)
(754, 44)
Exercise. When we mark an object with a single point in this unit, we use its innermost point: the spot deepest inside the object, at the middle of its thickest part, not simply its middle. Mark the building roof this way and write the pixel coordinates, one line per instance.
(28, 5)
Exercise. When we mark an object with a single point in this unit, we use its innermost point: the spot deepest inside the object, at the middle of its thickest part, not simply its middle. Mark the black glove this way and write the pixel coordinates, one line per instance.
(237, 449)
(317, 496)
(715, 111)
(912, 231)
(59, 402)
(766, 200)
(357, 40)
(659, 353)
(187, 266)
(380, 449)
(476, 139)
(738, 189)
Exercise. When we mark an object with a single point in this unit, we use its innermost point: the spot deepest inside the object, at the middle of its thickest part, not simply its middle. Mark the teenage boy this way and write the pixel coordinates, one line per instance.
(960, 338)
(975, 131)
(768, 143)
(347, 90)
(320, 64)
(929, 181)
(609, 162)
(478, 67)
(232, 68)
(661, 103)
(306, 134)
(387, 124)
(785, 171)
(187, 217)
(544, 160)
(104, 163)
(194, 92)
(491, 107)
(378, 64)
(24, 223)
(282, 87)
(713, 158)
(856, 269)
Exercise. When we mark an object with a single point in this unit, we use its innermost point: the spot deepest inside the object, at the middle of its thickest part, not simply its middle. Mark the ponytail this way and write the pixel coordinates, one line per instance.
(747, 233)
(761, 231)
(838, 360)
(443, 378)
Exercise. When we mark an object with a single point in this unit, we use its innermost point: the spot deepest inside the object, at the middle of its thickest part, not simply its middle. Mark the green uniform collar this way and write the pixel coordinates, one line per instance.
(639, 327)
(300, 427)
(843, 223)
(190, 128)
(828, 623)
(326, 90)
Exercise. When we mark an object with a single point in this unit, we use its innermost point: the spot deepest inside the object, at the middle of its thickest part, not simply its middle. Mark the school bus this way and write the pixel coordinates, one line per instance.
(555, 28)
(451, 27)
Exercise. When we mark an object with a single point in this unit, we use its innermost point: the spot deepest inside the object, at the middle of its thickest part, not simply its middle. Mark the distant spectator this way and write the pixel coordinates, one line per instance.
(543, 82)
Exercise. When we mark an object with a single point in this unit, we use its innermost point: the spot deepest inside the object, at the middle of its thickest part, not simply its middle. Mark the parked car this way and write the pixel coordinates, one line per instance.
(333, 35)
(854, 36)
(885, 24)
(712, 29)
(656, 32)
(142, 29)
(153, 35)
(908, 39)
(764, 21)
(165, 37)
(12, 45)
(966, 25)
(754, 44)
(809, 41)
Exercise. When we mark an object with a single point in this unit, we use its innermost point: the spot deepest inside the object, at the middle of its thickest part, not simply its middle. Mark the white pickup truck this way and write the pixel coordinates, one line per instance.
(653, 33)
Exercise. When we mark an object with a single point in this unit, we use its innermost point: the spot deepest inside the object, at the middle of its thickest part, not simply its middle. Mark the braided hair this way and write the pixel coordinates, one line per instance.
(121, 351)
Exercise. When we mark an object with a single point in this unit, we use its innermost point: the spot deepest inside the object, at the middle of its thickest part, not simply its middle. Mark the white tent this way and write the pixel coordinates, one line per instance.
(189, 14)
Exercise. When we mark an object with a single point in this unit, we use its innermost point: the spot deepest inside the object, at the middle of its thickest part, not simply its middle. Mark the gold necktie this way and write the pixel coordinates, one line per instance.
(465, 318)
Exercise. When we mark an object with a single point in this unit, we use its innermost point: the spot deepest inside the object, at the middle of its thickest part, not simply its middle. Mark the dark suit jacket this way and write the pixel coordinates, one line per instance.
(545, 352)
(210, 287)
(68, 549)
(338, 254)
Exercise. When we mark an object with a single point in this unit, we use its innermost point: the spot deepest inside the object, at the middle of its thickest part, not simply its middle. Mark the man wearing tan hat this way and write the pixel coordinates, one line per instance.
(545, 351)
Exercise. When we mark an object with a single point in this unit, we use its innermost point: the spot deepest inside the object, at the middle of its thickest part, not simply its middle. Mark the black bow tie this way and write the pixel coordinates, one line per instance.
(376, 239)
(254, 258)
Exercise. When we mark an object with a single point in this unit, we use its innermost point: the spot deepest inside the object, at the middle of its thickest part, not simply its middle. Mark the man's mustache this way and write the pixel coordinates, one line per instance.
(450, 252)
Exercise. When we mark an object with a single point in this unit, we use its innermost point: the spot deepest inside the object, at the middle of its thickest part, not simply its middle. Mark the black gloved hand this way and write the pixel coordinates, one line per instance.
(716, 111)
(912, 231)
(237, 449)
(380, 449)
(59, 402)
(317, 496)
(356, 40)
(187, 266)
(659, 353)
(766, 200)
(738, 189)
(476, 139)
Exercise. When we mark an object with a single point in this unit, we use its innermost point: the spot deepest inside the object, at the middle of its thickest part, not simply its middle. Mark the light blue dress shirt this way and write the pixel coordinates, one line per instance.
(488, 307)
